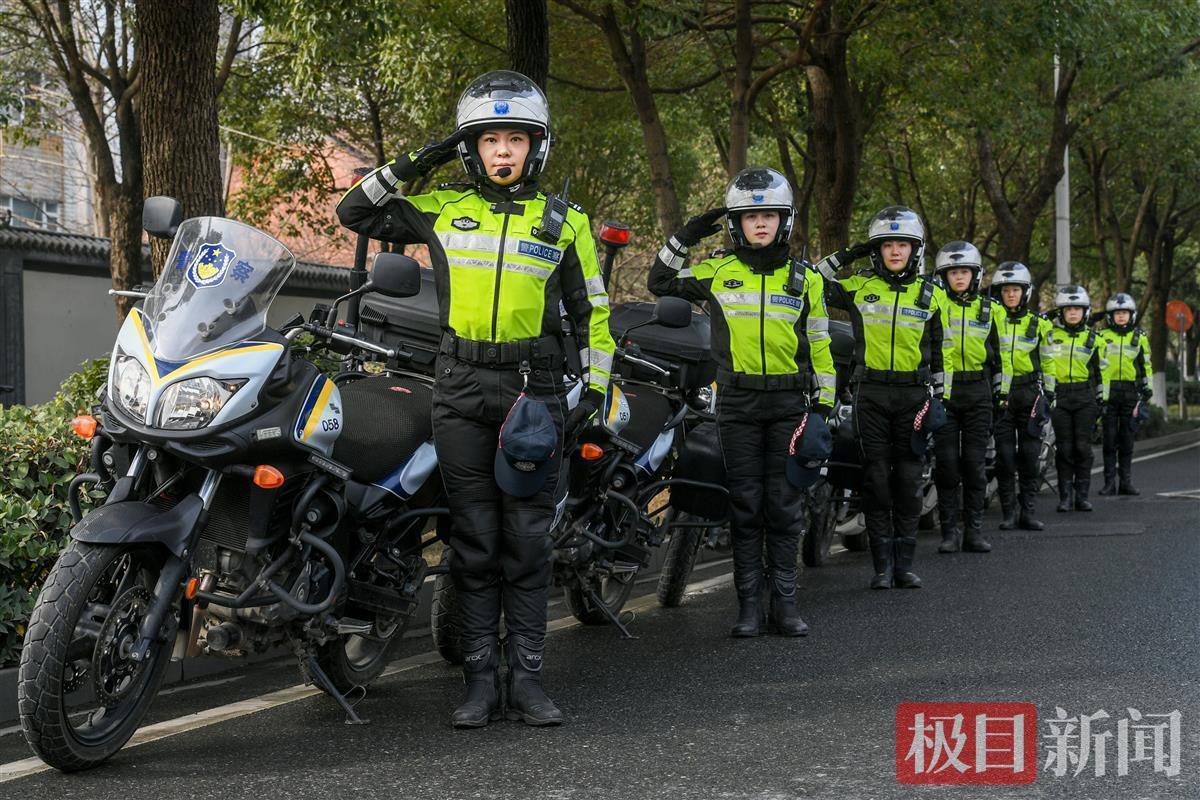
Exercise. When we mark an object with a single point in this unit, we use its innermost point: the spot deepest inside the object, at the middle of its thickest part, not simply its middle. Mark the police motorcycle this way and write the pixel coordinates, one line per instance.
(251, 502)
(612, 514)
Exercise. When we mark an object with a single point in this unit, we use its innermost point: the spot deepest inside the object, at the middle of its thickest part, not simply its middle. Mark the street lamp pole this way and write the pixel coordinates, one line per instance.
(1062, 211)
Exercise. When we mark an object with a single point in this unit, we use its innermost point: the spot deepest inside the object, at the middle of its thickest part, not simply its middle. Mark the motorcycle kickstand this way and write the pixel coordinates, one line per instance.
(322, 680)
(613, 618)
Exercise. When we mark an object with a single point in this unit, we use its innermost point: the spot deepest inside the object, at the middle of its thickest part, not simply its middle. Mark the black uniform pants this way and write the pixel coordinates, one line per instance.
(1118, 430)
(756, 428)
(961, 448)
(500, 545)
(1074, 418)
(1016, 451)
(884, 415)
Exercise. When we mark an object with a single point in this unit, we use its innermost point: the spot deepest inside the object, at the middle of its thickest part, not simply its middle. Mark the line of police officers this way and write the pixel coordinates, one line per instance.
(934, 359)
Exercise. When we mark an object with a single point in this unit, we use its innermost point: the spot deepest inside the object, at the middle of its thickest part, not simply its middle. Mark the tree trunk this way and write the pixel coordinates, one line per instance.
(529, 38)
(630, 62)
(838, 124)
(739, 109)
(177, 44)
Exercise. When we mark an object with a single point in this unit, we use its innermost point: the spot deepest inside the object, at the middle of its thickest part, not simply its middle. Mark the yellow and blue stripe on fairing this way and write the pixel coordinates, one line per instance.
(164, 371)
(314, 407)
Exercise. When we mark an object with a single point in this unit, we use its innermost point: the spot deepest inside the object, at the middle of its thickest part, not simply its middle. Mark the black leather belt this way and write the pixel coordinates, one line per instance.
(970, 376)
(1021, 380)
(1074, 386)
(767, 383)
(501, 353)
(919, 377)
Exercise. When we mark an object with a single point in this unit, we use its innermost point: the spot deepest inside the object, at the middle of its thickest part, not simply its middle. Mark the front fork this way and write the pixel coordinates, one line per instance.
(174, 569)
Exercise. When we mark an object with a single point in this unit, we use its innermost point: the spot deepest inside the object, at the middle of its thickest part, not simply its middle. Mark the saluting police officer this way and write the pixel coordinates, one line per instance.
(770, 338)
(1128, 376)
(972, 345)
(502, 266)
(897, 318)
(1081, 390)
(1026, 391)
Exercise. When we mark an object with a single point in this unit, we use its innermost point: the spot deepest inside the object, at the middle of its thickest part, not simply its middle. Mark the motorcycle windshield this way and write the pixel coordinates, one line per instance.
(217, 284)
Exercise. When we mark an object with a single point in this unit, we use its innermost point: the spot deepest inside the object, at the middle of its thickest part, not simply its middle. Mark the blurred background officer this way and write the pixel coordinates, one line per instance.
(897, 318)
(1026, 390)
(770, 337)
(972, 345)
(1128, 375)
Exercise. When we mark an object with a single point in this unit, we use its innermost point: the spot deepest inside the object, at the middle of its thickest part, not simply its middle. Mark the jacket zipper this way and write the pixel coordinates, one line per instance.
(1071, 362)
(963, 337)
(499, 272)
(895, 316)
(762, 322)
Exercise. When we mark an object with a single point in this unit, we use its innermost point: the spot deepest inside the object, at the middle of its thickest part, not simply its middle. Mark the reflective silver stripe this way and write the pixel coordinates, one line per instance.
(876, 308)
(730, 298)
(375, 189)
(826, 381)
(473, 263)
(456, 240)
(905, 323)
(527, 269)
(677, 246)
(595, 286)
(818, 323)
(745, 312)
(599, 301)
(685, 273)
(816, 336)
(598, 359)
(671, 258)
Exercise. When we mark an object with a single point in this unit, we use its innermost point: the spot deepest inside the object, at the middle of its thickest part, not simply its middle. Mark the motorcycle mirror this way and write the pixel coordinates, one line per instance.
(395, 275)
(161, 216)
(672, 312)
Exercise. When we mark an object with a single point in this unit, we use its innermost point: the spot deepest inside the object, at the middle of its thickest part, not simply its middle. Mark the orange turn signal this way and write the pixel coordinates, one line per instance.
(193, 586)
(84, 426)
(591, 452)
(267, 477)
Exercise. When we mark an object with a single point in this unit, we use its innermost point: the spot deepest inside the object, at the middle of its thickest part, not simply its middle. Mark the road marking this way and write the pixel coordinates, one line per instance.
(1190, 494)
(202, 719)
(1098, 470)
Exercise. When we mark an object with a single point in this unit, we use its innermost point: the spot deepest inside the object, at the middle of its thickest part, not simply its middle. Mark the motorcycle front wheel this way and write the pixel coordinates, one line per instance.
(612, 589)
(80, 694)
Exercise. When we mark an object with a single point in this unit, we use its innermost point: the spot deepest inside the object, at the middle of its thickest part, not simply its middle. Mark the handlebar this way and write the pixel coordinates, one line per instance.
(323, 332)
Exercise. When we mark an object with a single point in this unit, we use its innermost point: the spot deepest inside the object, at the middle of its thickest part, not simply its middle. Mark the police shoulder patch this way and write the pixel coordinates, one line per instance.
(465, 224)
(871, 298)
(732, 283)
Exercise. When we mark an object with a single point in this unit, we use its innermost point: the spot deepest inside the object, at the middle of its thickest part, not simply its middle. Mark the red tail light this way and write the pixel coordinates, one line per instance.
(615, 234)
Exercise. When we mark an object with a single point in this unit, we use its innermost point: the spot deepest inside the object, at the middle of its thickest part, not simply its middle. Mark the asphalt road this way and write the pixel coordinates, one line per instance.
(1099, 612)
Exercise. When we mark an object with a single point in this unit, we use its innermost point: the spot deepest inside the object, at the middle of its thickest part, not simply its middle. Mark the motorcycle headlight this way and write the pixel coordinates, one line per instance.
(193, 403)
(131, 387)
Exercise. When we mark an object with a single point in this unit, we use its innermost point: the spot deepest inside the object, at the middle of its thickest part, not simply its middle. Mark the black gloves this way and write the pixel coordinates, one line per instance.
(700, 227)
(1049, 398)
(591, 402)
(830, 264)
(1144, 391)
(428, 158)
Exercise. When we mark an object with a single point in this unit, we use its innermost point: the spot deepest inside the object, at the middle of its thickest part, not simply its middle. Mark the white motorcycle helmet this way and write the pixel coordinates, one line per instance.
(1013, 273)
(960, 255)
(1122, 301)
(1074, 297)
(897, 223)
(759, 189)
(504, 99)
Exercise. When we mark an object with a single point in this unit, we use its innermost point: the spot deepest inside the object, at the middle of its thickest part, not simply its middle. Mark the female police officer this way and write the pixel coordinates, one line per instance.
(502, 266)
(770, 337)
(1128, 377)
(1081, 387)
(972, 345)
(898, 370)
(1028, 386)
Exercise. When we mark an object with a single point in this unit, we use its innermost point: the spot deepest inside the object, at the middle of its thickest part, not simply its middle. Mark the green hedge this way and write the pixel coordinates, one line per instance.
(38, 458)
